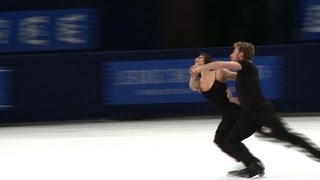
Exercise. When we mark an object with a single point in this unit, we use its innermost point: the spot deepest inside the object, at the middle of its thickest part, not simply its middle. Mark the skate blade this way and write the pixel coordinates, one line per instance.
(257, 176)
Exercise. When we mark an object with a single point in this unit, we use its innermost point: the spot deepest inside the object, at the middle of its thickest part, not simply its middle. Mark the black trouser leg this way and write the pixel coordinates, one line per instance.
(280, 131)
(243, 129)
(222, 132)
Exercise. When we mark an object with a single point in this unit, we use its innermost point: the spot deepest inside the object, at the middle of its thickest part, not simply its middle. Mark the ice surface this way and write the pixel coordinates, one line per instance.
(168, 149)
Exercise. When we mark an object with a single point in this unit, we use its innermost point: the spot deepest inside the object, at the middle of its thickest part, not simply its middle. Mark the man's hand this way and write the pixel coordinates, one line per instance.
(229, 94)
(192, 73)
(231, 98)
(196, 70)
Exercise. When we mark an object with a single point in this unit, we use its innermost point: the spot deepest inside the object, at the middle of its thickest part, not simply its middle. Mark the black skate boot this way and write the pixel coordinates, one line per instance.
(252, 170)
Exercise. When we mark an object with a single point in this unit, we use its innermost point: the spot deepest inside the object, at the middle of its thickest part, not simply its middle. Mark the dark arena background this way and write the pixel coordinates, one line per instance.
(110, 78)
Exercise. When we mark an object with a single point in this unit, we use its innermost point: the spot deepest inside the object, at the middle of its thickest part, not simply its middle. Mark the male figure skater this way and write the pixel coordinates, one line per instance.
(257, 111)
(212, 85)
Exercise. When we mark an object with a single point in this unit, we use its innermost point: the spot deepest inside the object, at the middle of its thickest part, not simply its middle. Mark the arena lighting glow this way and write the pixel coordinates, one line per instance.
(308, 24)
(48, 30)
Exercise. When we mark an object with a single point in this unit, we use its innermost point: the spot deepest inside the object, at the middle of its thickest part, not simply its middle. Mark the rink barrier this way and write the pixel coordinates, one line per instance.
(142, 84)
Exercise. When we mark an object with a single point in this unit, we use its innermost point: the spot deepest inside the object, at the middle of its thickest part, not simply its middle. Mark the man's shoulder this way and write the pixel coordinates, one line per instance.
(246, 63)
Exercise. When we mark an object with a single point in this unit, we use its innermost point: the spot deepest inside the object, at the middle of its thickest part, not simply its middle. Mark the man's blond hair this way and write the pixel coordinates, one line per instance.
(247, 49)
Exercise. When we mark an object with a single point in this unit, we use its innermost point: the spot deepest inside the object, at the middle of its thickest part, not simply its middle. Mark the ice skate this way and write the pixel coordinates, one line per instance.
(236, 169)
(252, 170)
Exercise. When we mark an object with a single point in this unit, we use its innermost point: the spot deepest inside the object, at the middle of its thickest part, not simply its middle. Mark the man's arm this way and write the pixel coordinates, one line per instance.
(229, 75)
(218, 65)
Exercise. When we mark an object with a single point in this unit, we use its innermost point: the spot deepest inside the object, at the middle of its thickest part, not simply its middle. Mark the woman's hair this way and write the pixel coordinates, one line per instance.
(247, 49)
(207, 58)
